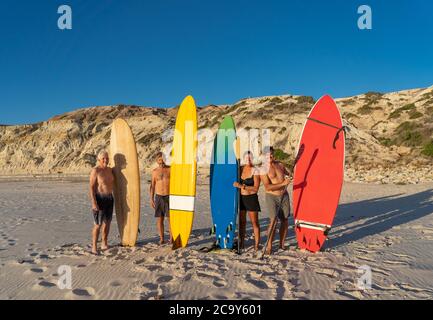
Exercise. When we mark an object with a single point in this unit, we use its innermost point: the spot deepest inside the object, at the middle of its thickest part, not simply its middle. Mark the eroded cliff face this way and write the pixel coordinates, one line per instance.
(390, 138)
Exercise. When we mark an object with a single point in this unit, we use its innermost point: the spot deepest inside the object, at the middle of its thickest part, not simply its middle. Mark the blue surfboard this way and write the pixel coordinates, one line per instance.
(223, 195)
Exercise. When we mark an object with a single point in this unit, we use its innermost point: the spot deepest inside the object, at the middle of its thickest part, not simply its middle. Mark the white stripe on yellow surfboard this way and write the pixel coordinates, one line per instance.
(182, 203)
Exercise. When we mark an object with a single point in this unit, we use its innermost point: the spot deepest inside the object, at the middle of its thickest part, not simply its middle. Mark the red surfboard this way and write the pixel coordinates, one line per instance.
(318, 175)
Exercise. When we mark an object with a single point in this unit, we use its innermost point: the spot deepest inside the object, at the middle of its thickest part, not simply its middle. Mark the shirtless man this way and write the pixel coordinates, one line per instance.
(101, 195)
(275, 180)
(159, 195)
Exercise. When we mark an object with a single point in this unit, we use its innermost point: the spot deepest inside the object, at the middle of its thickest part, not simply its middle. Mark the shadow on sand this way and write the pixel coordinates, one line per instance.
(357, 220)
(378, 215)
(353, 222)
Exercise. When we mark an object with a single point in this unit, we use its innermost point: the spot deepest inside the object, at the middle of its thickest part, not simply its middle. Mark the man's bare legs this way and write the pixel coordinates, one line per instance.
(95, 237)
(160, 225)
(161, 229)
(271, 235)
(254, 217)
(105, 231)
(169, 230)
(284, 225)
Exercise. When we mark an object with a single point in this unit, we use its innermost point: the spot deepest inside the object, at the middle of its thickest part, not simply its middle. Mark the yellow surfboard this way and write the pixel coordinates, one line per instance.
(183, 173)
(124, 159)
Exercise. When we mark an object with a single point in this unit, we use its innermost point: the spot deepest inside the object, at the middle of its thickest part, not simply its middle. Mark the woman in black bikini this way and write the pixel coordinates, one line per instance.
(249, 185)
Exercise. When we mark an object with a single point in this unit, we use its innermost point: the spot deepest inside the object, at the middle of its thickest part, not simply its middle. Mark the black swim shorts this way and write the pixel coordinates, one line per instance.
(106, 207)
(162, 208)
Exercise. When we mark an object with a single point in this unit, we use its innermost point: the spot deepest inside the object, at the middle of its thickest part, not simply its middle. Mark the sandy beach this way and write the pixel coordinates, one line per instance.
(46, 224)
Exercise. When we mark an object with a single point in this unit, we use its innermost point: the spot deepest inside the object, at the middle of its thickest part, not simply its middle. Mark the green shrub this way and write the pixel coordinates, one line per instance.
(351, 115)
(239, 104)
(372, 95)
(387, 142)
(348, 102)
(148, 139)
(280, 155)
(397, 113)
(427, 96)
(406, 126)
(428, 149)
(282, 106)
(276, 100)
(415, 114)
(306, 99)
(372, 98)
(409, 134)
(365, 109)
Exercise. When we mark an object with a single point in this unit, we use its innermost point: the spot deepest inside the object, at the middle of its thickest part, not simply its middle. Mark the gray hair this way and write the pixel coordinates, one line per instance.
(102, 153)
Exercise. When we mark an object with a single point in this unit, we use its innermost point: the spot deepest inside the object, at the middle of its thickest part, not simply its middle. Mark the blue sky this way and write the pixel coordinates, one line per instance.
(153, 53)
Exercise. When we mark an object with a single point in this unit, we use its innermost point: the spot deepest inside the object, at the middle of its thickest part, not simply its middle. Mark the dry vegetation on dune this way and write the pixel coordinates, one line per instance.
(391, 136)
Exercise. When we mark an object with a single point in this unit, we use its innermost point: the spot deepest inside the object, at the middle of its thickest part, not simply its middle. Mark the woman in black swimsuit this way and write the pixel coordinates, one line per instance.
(249, 185)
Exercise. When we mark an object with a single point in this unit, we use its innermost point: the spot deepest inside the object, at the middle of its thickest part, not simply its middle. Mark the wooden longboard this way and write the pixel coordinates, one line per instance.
(183, 173)
(124, 159)
(318, 176)
(223, 195)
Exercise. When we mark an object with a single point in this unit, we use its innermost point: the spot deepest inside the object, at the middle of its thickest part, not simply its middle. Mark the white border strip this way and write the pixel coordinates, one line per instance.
(312, 225)
(184, 203)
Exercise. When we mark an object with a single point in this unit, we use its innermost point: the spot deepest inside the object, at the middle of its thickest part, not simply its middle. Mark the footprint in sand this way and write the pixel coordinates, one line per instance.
(153, 268)
(206, 277)
(164, 279)
(187, 277)
(82, 293)
(26, 261)
(187, 266)
(140, 261)
(153, 294)
(35, 270)
(258, 283)
(115, 284)
(150, 286)
(43, 284)
(111, 252)
(219, 283)
(280, 288)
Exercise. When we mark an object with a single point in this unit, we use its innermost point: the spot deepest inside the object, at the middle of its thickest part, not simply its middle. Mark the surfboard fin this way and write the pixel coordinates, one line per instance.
(229, 227)
(212, 230)
(218, 241)
(326, 231)
(176, 243)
